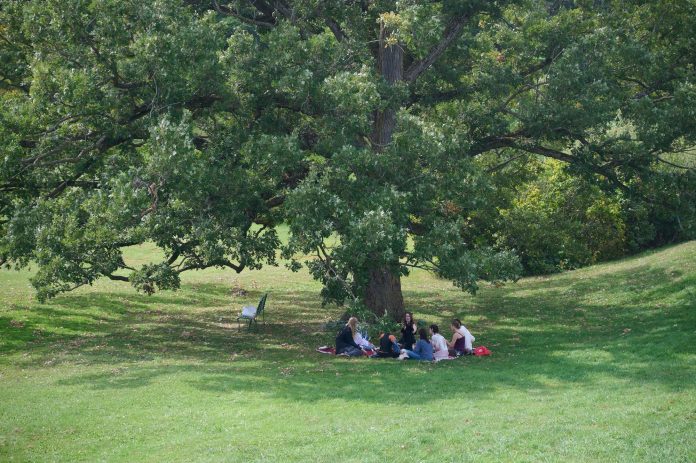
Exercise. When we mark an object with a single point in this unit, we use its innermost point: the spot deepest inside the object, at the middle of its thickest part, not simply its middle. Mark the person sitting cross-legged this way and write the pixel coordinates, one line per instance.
(439, 343)
(422, 351)
(388, 348)
(468, 337)
(461, 340)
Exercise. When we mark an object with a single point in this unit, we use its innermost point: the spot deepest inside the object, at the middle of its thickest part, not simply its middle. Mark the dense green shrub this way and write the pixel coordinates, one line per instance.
(559, 222)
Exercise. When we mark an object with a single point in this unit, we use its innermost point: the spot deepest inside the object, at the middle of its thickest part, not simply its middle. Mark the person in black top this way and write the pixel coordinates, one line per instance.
(345, 342)
(387, 347)
(408, 332)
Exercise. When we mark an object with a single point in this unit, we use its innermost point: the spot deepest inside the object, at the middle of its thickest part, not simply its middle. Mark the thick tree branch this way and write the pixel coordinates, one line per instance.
(116, 277)
(217, 263)
(227, 11)
(100, 146)
(561, 156)
(520, 140)
(275, 201)
(452, 32)
(543, 64)
(497, 167)
(664, 161)
(336, 29)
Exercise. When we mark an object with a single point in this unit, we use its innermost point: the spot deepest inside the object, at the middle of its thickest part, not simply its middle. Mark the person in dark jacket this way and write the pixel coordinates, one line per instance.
(388, 348)
(345, 341)
(408, 332)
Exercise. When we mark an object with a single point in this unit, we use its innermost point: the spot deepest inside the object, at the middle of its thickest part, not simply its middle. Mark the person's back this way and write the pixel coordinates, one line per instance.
(345, 343)
(468, 339)
(424, 349)
(460, 345)
(386, 347)
(439, 346)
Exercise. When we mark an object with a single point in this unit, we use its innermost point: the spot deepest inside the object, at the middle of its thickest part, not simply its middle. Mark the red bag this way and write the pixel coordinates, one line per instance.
(482, 350)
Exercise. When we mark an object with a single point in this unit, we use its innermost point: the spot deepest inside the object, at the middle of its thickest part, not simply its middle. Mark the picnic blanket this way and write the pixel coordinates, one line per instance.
(326, 350)
(481, 350)
(332, 351)
(448, 358)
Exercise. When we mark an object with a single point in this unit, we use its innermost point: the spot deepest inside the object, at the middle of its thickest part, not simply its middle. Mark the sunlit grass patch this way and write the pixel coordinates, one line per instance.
(594, 365)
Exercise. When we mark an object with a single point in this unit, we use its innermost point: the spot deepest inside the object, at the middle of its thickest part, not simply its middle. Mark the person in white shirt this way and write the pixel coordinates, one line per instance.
(439, 344)
(361, 341)
(468, 337)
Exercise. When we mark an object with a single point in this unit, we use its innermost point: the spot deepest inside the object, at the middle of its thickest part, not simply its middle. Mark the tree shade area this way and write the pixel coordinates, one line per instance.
(591, 365)
(478, 140)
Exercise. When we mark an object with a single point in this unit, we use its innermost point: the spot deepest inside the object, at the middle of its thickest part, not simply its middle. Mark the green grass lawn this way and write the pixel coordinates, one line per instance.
(592, 365)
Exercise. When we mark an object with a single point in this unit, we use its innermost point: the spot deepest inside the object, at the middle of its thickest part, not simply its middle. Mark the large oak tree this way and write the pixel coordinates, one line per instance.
(200, 126)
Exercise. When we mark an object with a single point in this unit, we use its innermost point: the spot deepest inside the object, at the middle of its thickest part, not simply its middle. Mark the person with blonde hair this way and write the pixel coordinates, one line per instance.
(345, 341)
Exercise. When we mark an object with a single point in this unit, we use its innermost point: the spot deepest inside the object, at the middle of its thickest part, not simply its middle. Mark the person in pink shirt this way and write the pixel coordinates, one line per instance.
(439, 344)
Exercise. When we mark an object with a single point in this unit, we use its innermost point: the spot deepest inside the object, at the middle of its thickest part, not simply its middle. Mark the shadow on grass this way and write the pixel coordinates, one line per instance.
(544, 333)
(104, 328)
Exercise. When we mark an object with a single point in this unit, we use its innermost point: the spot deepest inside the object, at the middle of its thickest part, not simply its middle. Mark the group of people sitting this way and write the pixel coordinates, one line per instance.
(431, 345)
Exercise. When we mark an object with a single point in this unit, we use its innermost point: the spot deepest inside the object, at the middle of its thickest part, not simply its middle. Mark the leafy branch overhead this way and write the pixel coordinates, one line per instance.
(383, 133)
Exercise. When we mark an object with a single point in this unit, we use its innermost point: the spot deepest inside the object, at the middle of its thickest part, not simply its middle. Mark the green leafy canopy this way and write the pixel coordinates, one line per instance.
(383, 133)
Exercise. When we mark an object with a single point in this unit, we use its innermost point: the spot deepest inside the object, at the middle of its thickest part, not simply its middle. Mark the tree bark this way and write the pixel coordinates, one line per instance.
(390, 65)
(383, 292)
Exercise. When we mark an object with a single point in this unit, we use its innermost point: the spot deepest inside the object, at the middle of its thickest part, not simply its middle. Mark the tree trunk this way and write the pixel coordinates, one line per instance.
(390, 63)
(383, 292)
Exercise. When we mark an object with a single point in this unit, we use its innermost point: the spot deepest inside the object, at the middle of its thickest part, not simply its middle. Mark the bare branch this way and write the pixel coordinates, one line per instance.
(505, 163)
(674, 165)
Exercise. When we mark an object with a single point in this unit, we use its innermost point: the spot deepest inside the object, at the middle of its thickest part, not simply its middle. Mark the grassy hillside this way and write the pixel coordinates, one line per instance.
(597, 364)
